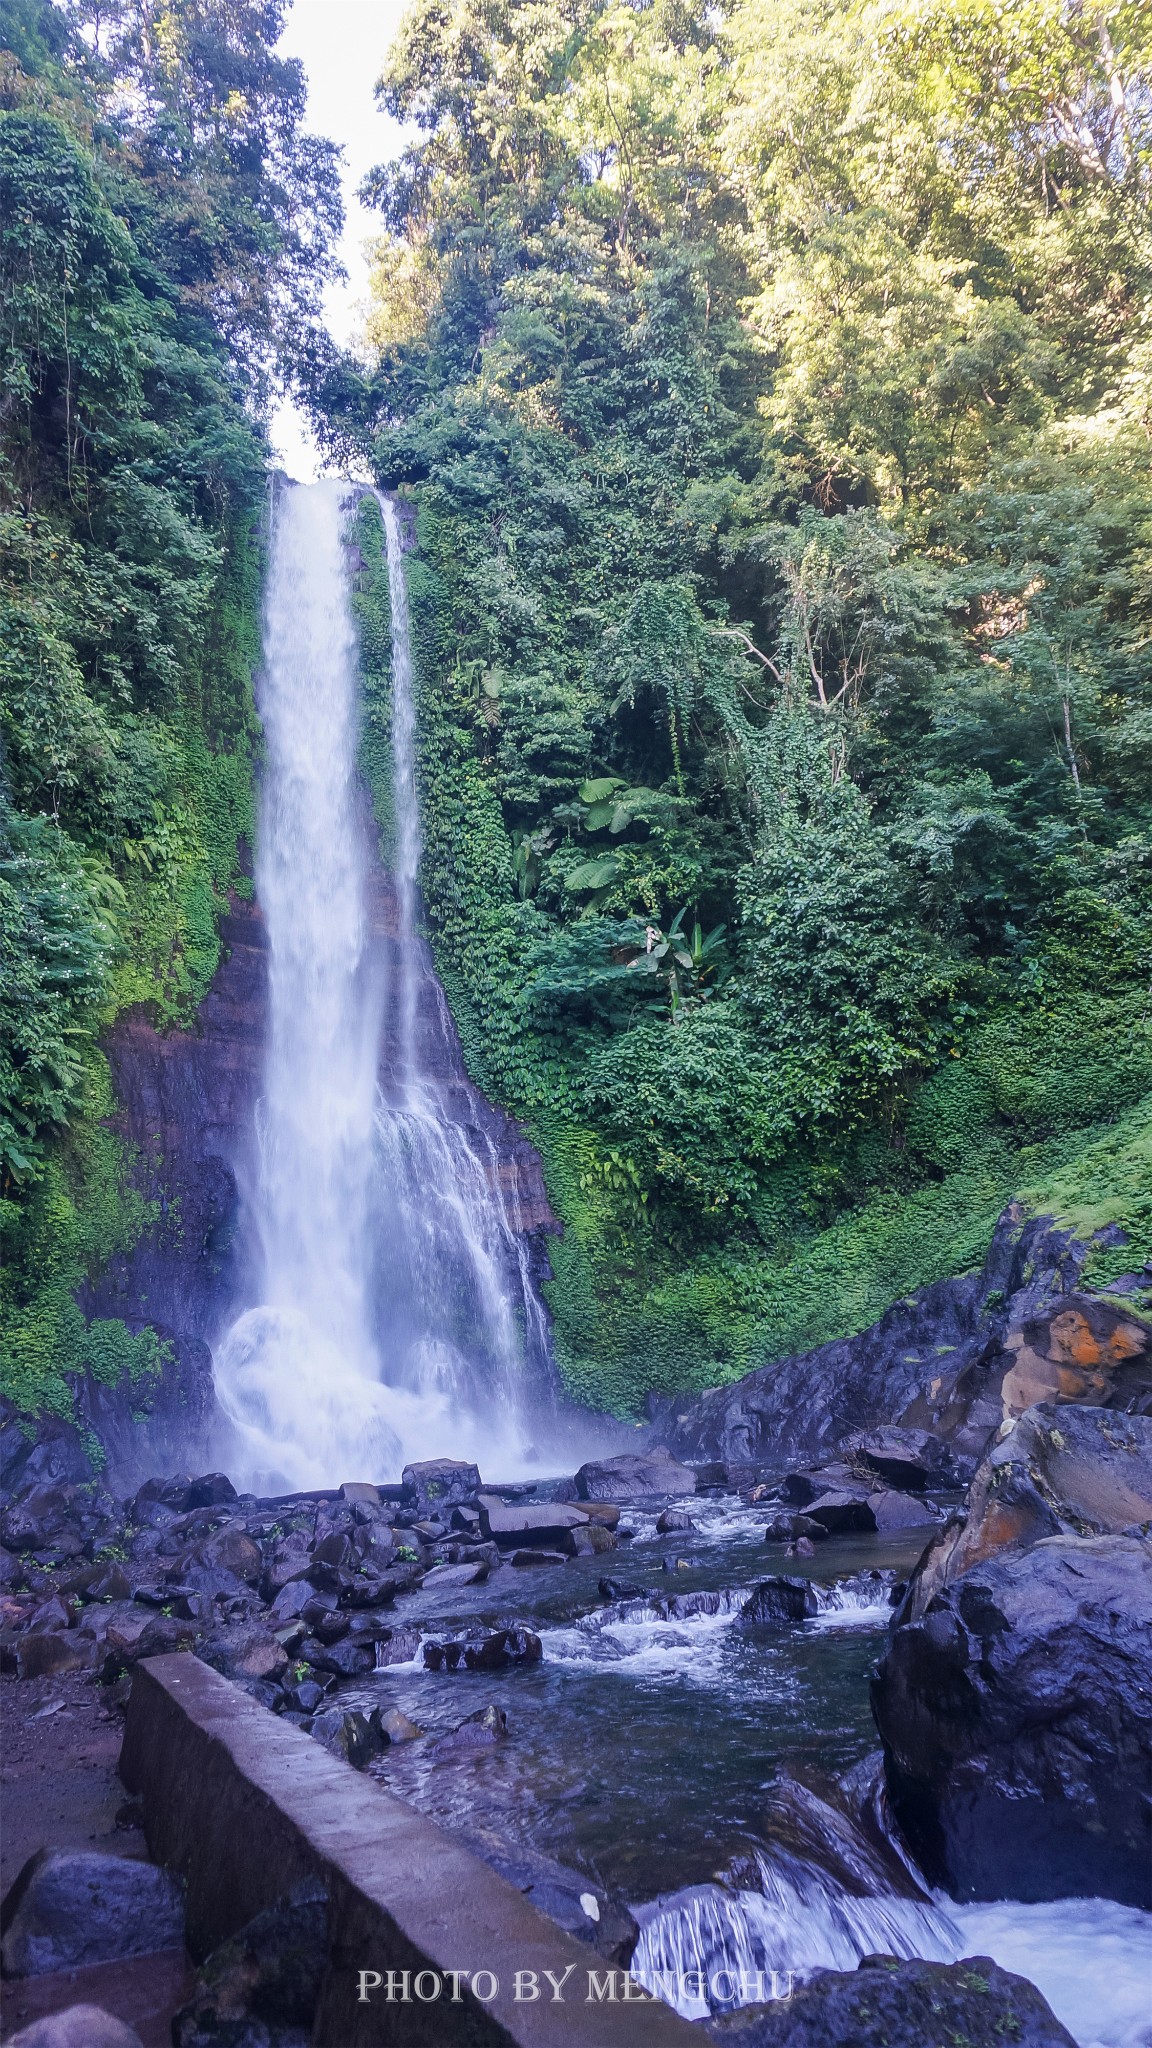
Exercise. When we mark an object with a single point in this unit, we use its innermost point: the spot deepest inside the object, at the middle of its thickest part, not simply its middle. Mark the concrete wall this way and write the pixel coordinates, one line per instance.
(244, 1807)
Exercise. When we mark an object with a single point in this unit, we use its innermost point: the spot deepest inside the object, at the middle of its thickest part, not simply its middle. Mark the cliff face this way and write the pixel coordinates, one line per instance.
(188, 1110)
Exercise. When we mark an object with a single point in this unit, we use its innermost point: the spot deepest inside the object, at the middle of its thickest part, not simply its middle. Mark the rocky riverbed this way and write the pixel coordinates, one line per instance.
(600, 1680)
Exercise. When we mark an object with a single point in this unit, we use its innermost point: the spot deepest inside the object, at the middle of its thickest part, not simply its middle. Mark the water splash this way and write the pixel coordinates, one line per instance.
(397, 1317)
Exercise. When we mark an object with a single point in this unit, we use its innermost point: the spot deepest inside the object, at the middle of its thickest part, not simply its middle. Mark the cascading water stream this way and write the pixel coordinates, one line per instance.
(396, 1314)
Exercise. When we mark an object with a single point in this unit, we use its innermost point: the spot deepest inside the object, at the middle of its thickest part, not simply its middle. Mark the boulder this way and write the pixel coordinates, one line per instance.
(592, 1541)
(397, 1727)
(910, 1459)
(891, 1510)
(671, 1519)
(354, 1736)
(634, 1476)
(481, 1730)
(888, 2003)
(78, 2026)
(787, 1528)
(440, 1483)
(352, 1658)
(67, 1909)
(262, 1986)
(1016, 1716)
(40, 1450)
(546, 1524)
(211, 1490)
(1057, 1471)
(535, 1558)
(245, 1653)
(841, 1512)
(497, 1652)
(51, 1653)
(780, 1600)
(401, 1647)
(231, 1550)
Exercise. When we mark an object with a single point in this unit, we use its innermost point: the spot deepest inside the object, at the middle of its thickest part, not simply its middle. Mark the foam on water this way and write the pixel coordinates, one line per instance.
(701, 1949)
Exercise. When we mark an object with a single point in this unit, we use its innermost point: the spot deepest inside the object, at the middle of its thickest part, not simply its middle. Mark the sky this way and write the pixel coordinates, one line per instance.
(342, 45)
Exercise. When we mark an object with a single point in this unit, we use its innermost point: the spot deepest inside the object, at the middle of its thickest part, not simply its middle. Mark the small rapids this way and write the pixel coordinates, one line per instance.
(685, 1636)
(829, 1893)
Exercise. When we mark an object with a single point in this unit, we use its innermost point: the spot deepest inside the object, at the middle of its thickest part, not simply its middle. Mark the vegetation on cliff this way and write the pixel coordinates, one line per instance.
(774, 390)
(163, 234)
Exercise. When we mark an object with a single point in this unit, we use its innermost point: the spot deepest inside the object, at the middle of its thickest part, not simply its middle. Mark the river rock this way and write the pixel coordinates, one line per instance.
(790, 1528)
(521, 1524)
(1016, 1716)
(634, 1476)
(440, 1483)
(779, 1600)
(487, 1726)
(842, 1512)
(910, 1459)
(212, 1489)
(671, 1519)
(888, 2003)
(67, 1909)
(354, 1736)
(444, 1575)
(400, 1647)
(592, 1541)
(78, 2026)
(397, 1726)
(891, 1510)
(261, 1988)
(498, 1652)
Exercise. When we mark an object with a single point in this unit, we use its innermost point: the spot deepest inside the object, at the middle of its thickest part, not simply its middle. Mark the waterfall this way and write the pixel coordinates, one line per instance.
(396, 1316)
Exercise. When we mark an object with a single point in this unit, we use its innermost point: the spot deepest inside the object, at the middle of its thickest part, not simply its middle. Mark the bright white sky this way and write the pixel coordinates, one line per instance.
(342, 45)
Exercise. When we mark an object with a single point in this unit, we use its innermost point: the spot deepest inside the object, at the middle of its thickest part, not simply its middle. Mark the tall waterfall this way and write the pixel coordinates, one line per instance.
(396, 1312)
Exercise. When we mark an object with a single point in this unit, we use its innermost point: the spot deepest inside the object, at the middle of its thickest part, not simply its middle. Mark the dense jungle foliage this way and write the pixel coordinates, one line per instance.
(164, 232)
(774, 385)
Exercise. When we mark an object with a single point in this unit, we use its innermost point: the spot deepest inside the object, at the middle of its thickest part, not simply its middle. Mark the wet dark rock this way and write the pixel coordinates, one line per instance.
(1016, 1715)
(481, 1730)
(888, 2003)
(910, 1459)
(780, 1600)
(212, 1489)
(634, 1476)
(671, 1519)
(786, 1529)
(842, 1512)
(261, 1988)
(307, 1697)
(440, 1483)
(619, 1589)
(354, 1736)
(67, 1909)
(569, 1897)
(955, 1361)
(78, 2026)
(500, 1651)
(534, 1558)
(349, 1659)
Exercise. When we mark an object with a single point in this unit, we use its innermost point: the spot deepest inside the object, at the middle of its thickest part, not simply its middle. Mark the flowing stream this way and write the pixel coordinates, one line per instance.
(395, 1313)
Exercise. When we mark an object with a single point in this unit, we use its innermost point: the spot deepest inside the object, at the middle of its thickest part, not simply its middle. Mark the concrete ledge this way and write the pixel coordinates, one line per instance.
(243, 1807)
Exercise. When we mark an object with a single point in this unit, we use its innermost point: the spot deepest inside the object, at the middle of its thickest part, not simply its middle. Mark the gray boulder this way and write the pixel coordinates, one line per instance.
(545, 1525)
(892, 2004)
(68, 1908)
(634, 1476)
(1016, 1717)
